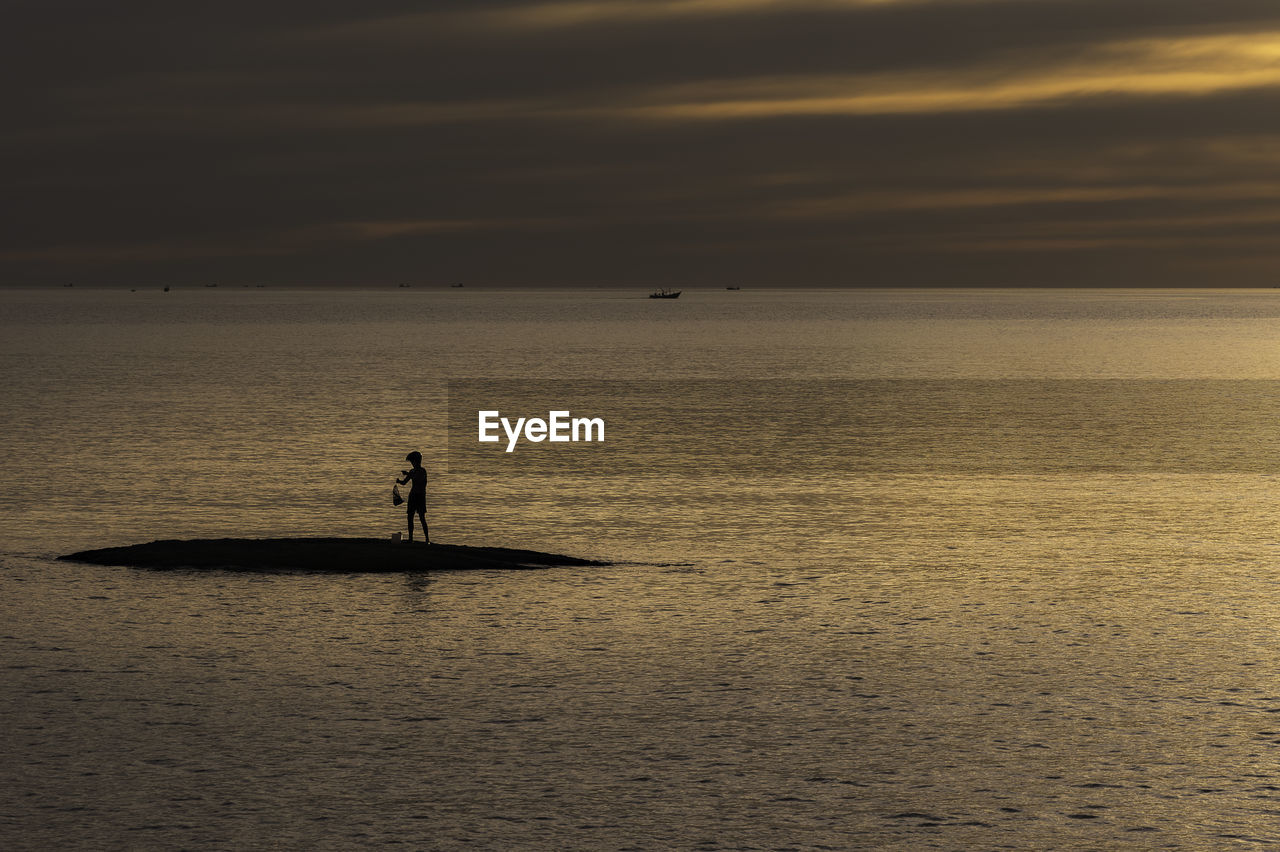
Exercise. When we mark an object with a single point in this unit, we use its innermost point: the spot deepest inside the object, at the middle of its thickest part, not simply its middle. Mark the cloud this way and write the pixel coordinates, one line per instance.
(878, 201)
(596, 141)
(531, 18)
(290, 241)
(594, 12)
(1194, 66)
(1144, 68)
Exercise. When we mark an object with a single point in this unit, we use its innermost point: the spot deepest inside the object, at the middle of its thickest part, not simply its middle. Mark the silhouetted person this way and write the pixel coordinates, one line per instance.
(417, 502)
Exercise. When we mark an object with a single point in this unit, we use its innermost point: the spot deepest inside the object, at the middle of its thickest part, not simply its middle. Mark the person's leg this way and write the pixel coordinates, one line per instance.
(409, 512)
(422, 518)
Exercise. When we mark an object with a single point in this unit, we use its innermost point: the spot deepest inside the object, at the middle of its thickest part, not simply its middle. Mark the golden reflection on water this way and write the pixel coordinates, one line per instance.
(960, 649)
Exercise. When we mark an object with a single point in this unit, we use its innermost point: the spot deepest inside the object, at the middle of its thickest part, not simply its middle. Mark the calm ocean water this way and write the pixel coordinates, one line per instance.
(895, 570)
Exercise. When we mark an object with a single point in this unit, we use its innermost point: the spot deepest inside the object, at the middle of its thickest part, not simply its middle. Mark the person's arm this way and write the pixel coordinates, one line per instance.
(404, 481)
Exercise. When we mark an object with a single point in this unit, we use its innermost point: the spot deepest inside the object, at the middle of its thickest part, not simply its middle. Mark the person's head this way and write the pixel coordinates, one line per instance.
(414, 458)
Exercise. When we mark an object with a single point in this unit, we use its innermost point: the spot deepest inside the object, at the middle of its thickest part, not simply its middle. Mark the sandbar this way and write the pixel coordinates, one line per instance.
(338, 555)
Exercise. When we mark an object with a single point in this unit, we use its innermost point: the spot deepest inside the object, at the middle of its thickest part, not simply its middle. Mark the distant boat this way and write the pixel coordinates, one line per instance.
(455, 285)
(665, 294)
(733, 288)
(166, 289)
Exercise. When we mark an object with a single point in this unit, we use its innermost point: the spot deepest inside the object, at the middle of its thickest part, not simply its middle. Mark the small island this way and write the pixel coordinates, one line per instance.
(336, 555)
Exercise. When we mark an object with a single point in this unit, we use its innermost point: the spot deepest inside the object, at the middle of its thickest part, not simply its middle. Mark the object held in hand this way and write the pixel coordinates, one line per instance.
(396, 499)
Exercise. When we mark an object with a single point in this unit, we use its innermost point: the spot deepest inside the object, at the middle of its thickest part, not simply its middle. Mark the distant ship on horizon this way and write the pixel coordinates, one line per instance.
(665, 294)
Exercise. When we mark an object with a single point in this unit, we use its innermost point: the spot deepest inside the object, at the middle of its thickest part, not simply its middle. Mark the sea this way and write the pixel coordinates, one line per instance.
(887, 569)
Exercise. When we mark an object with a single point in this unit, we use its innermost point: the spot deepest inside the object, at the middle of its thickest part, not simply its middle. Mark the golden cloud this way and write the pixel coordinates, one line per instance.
(1141, 68)
(979, 197)
(568, 14)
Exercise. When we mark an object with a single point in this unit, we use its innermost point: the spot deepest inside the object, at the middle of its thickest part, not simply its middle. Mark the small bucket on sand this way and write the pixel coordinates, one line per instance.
(395, 537)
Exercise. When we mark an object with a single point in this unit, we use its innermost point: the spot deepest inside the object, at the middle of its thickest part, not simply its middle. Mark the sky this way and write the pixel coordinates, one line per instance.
(642, 142)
